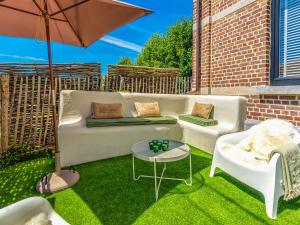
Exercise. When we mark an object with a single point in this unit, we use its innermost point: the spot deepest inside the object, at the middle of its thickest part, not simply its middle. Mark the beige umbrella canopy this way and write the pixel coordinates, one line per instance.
(74, 22)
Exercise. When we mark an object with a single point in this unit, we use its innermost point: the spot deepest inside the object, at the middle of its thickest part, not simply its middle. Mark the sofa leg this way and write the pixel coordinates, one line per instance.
(271, 202)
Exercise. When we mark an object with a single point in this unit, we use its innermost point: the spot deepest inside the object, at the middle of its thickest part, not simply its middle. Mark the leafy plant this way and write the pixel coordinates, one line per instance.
(174, 49)
(171, 50)
(125, 60)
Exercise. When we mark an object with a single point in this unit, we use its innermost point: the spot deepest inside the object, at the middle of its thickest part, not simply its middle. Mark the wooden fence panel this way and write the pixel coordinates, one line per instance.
(142, 84)
(26, 112)
(30, 108)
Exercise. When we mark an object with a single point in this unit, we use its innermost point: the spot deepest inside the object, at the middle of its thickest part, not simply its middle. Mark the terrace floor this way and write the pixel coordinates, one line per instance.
(107, 194)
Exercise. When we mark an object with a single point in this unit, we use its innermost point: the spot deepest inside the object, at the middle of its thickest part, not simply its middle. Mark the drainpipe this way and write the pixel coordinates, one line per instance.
(210, 49)
(197, 46)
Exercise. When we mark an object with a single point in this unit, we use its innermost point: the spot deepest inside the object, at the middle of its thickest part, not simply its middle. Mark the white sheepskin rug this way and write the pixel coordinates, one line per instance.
(40, 219)
(266, 137)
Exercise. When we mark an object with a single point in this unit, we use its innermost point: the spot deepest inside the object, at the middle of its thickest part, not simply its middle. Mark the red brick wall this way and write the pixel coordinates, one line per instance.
(261, 107)
(240, 47)
(220, 5)
(235, 52)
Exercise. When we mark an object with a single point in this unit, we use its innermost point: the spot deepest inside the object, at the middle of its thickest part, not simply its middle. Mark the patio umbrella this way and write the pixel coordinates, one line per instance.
(74, 22)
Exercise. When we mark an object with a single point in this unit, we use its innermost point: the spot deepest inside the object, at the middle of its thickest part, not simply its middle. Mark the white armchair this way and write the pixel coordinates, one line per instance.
(21, 212)
(265, 177)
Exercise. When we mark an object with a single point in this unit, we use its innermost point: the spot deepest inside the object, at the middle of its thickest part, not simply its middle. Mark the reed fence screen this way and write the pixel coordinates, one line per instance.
(144, 79)
(148, 84)
(26, 114)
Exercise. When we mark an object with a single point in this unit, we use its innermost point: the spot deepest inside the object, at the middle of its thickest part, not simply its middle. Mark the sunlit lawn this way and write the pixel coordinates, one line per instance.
(107, 194)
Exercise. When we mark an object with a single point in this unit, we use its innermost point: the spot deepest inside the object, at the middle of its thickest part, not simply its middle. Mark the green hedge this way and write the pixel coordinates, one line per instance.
(23, 152)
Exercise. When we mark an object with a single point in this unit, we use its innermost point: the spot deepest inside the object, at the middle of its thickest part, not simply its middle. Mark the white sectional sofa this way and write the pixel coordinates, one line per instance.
(79, 144)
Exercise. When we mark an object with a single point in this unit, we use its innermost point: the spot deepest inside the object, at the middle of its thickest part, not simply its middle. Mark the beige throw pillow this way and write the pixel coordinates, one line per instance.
(202, 110)
(106, 111)
(150, 109)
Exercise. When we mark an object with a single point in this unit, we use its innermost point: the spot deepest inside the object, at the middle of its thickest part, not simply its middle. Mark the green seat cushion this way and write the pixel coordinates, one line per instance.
(130, 121)
(198, 120)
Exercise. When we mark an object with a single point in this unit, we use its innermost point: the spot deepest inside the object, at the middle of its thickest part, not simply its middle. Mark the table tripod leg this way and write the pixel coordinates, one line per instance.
(133, 169)
(155, 181)
(191, 170)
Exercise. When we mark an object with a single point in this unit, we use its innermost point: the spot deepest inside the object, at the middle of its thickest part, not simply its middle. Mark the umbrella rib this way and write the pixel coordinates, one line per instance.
(20, 10)
(38, 6)
(72, 28)
(27, 12)
(69, 7)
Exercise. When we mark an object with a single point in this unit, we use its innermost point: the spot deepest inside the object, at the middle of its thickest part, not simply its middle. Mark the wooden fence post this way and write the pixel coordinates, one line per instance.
(99, 76)
(4, 111)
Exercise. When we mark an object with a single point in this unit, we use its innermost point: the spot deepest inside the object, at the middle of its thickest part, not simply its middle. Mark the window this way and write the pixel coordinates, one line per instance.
(285, 69)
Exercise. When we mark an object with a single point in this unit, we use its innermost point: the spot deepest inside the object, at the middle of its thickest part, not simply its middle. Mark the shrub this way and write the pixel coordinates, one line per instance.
(23, 152)
(171, 50)
(125, 60)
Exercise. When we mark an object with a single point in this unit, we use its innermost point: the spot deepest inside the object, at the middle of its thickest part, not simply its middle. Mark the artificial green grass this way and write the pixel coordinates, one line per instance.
(107, 194)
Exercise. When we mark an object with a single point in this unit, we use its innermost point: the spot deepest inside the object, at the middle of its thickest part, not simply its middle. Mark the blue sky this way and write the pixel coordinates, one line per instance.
(125, 41)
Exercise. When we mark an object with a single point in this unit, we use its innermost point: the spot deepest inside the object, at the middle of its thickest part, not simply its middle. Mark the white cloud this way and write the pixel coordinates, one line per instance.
(22, 57)
(122, 43)
(139, 29)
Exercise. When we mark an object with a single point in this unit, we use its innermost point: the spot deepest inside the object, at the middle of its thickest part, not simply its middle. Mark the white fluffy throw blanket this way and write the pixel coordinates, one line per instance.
(39, 219)
(268, 136)
(276, 136)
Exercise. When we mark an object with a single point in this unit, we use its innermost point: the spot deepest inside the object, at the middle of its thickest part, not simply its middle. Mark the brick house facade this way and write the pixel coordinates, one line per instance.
(234, 57)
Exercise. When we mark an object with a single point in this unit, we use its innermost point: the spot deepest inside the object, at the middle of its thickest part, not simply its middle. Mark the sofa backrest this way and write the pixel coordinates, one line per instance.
(230, 111)
(75, 106)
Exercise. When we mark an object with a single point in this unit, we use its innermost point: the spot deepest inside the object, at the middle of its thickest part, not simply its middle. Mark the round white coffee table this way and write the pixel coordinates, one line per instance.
(177, 151)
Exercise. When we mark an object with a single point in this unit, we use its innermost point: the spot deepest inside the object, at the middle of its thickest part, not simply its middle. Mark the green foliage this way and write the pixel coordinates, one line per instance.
(174, 49)
(153, 53)
(171, 50)
(22, 152)
(125, 60)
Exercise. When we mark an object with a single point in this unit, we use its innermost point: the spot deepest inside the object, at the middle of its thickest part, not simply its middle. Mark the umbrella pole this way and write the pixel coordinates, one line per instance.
(61, 179)
(53, 92)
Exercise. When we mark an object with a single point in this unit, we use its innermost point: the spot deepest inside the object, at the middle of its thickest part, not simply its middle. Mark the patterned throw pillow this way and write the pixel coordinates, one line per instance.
(202, 110)
(150, 109)
(106, 111)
